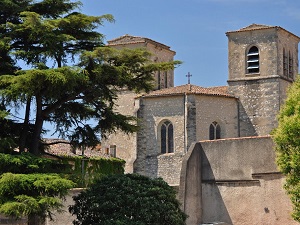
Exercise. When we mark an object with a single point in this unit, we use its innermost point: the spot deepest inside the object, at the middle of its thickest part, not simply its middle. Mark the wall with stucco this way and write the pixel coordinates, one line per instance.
(240, 183)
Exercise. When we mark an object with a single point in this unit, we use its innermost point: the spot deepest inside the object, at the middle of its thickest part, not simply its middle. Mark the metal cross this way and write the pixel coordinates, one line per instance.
(189, 77)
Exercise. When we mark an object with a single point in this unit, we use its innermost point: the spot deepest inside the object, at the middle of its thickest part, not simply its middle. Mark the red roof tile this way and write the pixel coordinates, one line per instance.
(191, 89)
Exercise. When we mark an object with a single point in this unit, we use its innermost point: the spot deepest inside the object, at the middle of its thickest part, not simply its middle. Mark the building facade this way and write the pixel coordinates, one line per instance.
(233, 156)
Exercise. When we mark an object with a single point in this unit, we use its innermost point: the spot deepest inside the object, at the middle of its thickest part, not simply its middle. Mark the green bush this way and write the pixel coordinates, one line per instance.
(68, 167)
(129, 199)
(31, 194)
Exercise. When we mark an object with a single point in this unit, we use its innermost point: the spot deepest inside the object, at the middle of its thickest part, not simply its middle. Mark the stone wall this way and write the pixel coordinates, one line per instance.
(64, 217)
(261, 93)
(289, 43)
(260, 101)
(240, 183)
(238, 46)
(155, 111)
(191, 116)
(220, 109)
(125, 143)
(160, 53)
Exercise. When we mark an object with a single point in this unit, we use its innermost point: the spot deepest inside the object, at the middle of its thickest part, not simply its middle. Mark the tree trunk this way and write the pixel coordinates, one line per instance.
(38, 126)
(24, 131)
(36, 220)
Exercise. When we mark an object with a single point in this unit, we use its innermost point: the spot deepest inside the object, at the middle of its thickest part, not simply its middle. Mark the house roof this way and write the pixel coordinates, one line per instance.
(63, 148)
(255, 26)
(129, 39)
(191, 89)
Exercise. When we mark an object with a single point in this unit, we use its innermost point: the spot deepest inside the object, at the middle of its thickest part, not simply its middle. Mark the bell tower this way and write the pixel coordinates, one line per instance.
(160, 53)
(262, 63)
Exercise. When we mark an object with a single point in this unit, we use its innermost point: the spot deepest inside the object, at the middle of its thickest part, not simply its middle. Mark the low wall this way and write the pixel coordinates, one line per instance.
(65, 218)
(240, 183)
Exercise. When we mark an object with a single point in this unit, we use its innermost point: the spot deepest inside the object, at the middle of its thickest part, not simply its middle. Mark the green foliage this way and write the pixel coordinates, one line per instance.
(129, 199)
(68, 167)
(39, 31)
(31, 194)
(28, 163)
(10, 133)
(287, 145)
(86, 170)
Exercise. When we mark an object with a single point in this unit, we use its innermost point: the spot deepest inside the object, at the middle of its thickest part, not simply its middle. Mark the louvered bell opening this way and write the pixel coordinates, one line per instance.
(253, 61)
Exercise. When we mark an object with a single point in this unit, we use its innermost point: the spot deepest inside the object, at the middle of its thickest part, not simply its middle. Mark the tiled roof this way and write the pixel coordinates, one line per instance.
(255, 26)
(191, 89)
(63, 148)
(129, 39)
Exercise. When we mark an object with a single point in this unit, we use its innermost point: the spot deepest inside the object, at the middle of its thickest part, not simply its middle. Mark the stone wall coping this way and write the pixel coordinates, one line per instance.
(257, 78)
(237, 138)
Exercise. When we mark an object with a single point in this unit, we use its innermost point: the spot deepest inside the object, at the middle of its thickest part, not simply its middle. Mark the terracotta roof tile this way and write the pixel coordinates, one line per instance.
(191, 89)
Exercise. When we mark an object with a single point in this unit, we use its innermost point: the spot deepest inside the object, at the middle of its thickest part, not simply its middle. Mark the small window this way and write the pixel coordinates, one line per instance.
(214, 131)
(113, 150)
(166, 79)
(166, 132)
(158, 80)
(253, 60)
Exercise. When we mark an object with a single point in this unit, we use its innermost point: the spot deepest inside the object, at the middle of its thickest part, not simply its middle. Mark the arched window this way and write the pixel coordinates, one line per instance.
(166, 138)
(291, 68)
(285, 63)
(253, 60)
(214, 131)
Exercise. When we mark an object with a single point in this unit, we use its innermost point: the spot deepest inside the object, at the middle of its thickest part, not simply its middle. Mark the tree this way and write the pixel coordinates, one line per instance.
(32, 195)
(287, 144)
(67, 96)
(129, 199)
(38, 31)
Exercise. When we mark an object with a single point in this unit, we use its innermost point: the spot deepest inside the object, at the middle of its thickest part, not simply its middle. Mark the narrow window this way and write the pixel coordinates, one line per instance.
(158, 80)
(285, 63)
(214, 131)
(113, 150)
(166, 79)
(291, 68)
(167, 139)
(253, 60)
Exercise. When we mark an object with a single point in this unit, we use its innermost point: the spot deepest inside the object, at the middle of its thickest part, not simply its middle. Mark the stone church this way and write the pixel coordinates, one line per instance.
(213, 143)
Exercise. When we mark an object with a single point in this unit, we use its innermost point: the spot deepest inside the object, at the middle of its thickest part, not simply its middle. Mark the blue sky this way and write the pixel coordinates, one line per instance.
(195, 29)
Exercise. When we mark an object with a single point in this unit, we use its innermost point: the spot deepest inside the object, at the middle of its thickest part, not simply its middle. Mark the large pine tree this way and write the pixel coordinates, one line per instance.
(72, 91)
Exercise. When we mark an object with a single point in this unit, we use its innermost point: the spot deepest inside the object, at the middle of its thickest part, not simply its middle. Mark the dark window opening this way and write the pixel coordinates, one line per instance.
(291, 68)
(167, 137)
(214, 131)
(166, 79)
(285, 63)
(158, 80)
